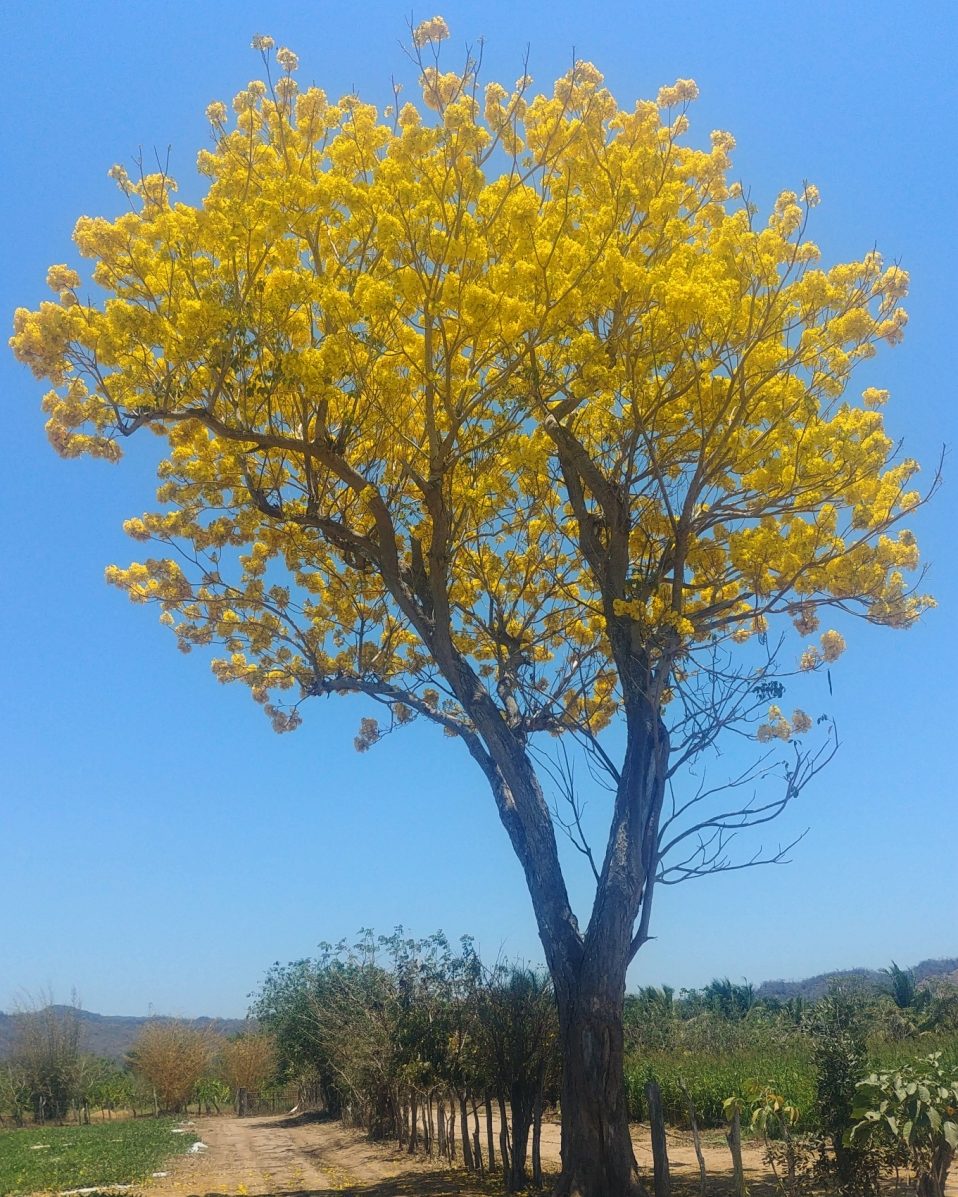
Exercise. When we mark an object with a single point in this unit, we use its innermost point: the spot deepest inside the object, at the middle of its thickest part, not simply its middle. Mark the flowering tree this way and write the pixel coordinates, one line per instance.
(511, 415)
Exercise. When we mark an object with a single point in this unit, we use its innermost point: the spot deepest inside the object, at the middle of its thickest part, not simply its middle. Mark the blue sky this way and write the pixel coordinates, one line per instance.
(159, 845)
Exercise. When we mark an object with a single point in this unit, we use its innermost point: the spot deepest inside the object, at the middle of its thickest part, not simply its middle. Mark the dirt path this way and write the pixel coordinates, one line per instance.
(296, 1157)
(293, 1157)
(248, 1155)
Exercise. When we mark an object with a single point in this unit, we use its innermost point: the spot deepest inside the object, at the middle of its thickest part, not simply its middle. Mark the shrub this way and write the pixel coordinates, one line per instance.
(173, 1057)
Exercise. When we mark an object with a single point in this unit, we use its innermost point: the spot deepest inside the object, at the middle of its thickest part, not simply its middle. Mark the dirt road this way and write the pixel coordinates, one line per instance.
(294, 1157)
(305, 1157)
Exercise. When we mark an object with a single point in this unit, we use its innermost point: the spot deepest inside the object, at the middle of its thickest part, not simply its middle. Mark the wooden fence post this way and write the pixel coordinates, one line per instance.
(662, 1181)
(734, 1138)
(696, 1137)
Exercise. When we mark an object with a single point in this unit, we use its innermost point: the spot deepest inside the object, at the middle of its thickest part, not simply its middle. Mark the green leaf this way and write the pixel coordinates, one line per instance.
(950, 1131)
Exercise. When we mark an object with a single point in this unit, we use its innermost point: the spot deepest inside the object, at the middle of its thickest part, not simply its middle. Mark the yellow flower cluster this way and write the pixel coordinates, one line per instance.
(682, 91)
(779, 728)
(433, 30)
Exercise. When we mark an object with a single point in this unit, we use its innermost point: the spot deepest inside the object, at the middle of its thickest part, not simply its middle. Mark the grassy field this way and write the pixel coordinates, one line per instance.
(72, 1157)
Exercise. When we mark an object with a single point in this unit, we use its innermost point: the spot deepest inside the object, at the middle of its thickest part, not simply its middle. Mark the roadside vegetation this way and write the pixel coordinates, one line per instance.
(423, 1044)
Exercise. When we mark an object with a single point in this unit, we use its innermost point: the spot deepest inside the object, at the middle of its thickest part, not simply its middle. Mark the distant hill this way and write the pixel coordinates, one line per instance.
(112, 1035)
(867, 979)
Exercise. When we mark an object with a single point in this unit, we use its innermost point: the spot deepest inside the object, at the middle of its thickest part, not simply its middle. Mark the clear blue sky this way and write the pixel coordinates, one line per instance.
(159, 845)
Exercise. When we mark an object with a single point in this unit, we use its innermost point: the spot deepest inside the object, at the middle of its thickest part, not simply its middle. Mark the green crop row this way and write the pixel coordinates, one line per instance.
(57, 1157)
(787, 1066)
(710, 1079)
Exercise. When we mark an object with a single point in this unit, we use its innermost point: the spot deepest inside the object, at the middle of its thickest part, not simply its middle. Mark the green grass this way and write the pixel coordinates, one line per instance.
(36, 1159)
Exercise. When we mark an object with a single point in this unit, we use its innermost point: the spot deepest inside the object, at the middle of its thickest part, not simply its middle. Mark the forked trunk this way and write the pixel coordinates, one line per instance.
(597, 1155)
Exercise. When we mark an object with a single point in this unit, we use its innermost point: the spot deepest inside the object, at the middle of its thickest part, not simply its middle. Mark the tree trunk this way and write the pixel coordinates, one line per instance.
(504, 1147)
(464, 1132)
(537, 1140)
(587, 968)
(489, 1136)
(441, 1125)
(597, 1155)
(476, 1139)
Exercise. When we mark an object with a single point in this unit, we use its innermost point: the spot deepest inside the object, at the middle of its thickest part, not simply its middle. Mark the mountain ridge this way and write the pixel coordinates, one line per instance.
(112, 1035)
(943, 968)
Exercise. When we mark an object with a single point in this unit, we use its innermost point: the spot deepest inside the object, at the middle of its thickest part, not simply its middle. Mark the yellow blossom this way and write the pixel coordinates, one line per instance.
(682, 91)
(801, 722)
(433, 30)
(833, 645)
(810, 658)
(62, 278)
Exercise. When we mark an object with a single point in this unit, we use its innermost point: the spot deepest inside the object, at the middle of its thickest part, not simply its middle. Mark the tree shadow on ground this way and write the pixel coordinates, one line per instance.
(452, 1183)
(446, 1183)
(410, 1184)
(460, 1184)
(305, 1119)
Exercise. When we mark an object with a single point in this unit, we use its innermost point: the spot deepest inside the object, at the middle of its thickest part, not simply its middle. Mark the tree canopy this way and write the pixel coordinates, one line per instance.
(529, 377)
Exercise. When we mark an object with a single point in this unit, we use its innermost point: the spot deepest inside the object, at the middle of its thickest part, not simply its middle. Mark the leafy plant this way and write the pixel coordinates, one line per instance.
(790, 1156)
(914, 1108)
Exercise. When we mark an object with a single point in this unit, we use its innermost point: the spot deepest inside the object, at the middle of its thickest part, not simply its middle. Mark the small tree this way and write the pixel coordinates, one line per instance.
(510, 415)
(172, 1057)
(15, 1097)
(774, 1117)
(46, 1055)
(249, 1063)
(517, 1036)
(838, 1035)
